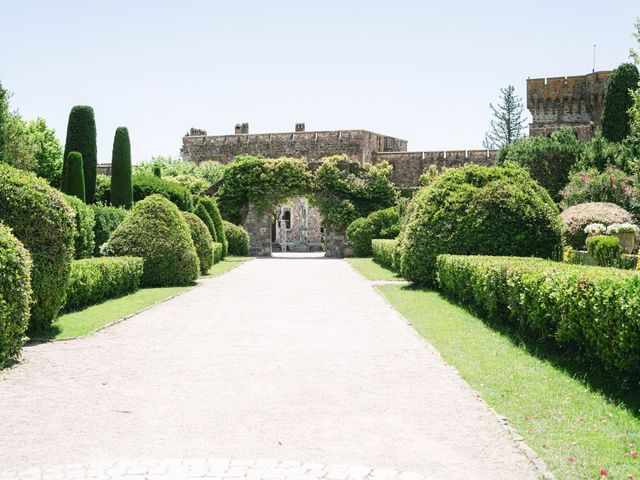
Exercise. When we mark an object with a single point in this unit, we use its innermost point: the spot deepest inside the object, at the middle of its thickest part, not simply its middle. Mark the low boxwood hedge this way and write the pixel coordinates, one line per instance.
(217, 252)
(15, 295)
(588, 310)
(605, 250)
(145, 185)
(383, 252)
(94, 280)
(84, 244)
(107, 220)
(237, 239)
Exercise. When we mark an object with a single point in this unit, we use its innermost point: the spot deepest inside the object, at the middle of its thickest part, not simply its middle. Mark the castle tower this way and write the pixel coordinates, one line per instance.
(576, 102)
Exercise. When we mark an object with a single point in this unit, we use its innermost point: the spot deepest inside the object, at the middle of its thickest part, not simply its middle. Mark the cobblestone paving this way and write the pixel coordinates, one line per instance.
(208, 468)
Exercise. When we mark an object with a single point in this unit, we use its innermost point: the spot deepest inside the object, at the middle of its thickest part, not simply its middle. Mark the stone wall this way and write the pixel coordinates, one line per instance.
(408, 166)
(576, 102)
(359, 145)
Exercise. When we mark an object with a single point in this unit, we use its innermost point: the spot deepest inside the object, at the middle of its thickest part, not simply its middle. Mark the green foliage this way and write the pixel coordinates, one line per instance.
(610, 186)
(15, 295)
(379, 224)
(74, 181)
(196, 185)
(599, 154)
(508, 123)
(211, 207)
(103, 189)
(605, 250)
(121, 188)
(577, 217)
(157, 172)
(383, 252)
(345, 190)
(202, 213)
(590, 309)
(84, 244)
(263, 182)
(4, 115)
(81, 137)
(217, 252)
(201, 240)
(548, 159)
(211, 172)
(237, 238)
(107, 220)
(617, 102)
(478, 210)
(48, 151)
(156, 231)
(44, 223)
(94, 280)
(145, 185)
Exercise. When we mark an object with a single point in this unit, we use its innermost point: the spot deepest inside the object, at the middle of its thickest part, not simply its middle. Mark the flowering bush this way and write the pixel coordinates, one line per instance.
(577, 217)
(595, 229)
(621, 228)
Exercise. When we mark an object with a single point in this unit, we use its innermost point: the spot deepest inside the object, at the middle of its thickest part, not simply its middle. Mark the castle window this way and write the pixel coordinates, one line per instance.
(287, 219)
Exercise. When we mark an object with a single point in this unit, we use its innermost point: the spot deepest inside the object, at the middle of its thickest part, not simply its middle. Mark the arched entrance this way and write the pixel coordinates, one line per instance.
(297, 227)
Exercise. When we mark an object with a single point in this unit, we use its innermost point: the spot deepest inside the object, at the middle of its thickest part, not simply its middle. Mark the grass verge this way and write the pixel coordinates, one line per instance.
(578, 420)
(372, 270)
(90, 319)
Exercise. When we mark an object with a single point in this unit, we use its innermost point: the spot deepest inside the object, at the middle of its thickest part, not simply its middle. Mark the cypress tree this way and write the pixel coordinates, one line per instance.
(74, 184)
(202, 213)
(81, 137)
(157, 172)
(618, 101)
(121, 189)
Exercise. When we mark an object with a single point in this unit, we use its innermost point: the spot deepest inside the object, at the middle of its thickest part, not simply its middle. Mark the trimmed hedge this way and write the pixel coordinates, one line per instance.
(590, 310)
(383, 252)
(201, 240)
(74, 183)
(156, 231)
(203, 215)
(212, 209)
(145, 185)
(15, 295)
(94, 280)
(217, 252)
(478, 210)
(107, 220)
(237, 239)
(121, 189)
(577, 217)
(605, 250)
(84, 244)
(379, 224)
(45, 224)
(81, 137)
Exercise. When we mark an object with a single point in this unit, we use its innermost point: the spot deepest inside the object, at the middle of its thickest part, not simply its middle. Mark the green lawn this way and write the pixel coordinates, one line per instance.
(579, 420)
(372, 270)
(78, 324)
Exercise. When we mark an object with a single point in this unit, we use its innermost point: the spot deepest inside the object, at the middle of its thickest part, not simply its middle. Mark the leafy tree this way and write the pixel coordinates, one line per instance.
(74, 184)
(81, 137)
(618, 101)
(508, 123)
(599, 154)
(48, 153)
(121, 188)
(19, 145)
(4, 113)
(212, 172)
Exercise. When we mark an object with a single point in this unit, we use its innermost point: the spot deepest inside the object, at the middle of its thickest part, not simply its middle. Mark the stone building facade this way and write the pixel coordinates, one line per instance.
(576, 102)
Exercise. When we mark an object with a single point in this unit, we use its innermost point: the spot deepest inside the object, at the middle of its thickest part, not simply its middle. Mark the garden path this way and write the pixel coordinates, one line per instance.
(292, 359)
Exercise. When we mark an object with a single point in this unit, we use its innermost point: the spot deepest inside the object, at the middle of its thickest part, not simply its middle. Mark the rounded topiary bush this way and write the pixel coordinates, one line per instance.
(577, 217)
(45, 224)
(212, 209)
(237, 238)
(145, 185)
(156, 231)
(85, 224)
(476, 210)
(201, 240)
(15, 295)
(383, 224)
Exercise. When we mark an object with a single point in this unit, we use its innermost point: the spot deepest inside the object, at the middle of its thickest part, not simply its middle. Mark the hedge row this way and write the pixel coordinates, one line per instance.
(107, 220)
(145, 185)
(383, 252)
(217, 252)
(237, 239)
(93, 280)
(84, 243)
(379, 224)
(593, 310)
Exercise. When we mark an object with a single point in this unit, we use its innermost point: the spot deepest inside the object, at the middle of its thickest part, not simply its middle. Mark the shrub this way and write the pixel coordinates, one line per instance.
(145, 185)
(107, 220)
(617, 102)
(211, 172)
(212, 209)
(589, 309)
(81, 137)
(85, 221)
(74, 183)
(94, 280)
(103, 190)
(201, 240)
(383, 250)
(604, 250)
(203, 215)
(44, 223)
(548, 159)
(237, 238)
(379, 224)
(478, 210)
(599, 154)
(15, 295)
(121, 189)
(156, 231)
(196, 185)
(578, 217)
(217, 252)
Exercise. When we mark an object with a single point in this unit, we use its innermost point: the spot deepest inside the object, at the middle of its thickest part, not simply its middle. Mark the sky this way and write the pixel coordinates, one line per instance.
(423, 71)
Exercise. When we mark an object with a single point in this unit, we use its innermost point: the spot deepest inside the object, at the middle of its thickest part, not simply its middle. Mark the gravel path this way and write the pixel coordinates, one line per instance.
(294, 359)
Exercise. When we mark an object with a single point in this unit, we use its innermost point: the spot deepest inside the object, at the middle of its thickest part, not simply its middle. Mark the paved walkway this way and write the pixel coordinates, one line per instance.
(292, 359)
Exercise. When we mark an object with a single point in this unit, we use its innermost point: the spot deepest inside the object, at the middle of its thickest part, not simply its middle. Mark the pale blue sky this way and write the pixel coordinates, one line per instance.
(422, 71)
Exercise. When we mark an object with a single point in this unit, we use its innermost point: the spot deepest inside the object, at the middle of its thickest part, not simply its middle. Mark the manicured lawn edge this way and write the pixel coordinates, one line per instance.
(371, 270)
